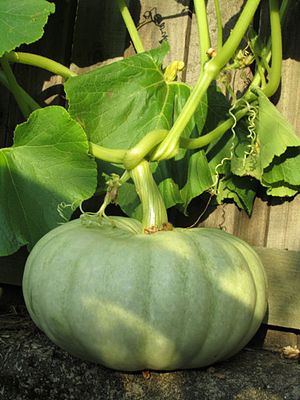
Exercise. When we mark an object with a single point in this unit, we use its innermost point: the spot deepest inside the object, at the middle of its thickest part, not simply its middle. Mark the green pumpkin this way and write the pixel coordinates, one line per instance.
(184, 298)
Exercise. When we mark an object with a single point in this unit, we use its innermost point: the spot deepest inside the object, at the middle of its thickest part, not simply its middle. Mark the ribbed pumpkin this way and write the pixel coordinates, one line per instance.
(184, 298)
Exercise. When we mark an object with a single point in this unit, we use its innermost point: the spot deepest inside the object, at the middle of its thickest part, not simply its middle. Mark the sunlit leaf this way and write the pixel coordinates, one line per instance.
(44, 176)
(22, 22)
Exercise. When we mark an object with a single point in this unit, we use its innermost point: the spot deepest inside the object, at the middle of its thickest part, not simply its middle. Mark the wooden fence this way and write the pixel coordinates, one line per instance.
(83, 33)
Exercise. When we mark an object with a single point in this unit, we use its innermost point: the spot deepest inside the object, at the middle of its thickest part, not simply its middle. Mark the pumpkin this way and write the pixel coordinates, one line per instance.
(107, 293)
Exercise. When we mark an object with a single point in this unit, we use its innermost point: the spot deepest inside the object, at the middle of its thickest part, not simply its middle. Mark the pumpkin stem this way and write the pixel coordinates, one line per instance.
(155, 216)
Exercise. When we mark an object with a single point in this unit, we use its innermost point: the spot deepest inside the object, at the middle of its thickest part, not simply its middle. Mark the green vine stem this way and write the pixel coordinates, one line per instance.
(236, 36)
(41, 62)
(115, 156)
(131, 28)
(130, 158)
(135, 155)
(32, 104)
(197, 143)
(170, 145)
(276, 40)
(15, 88)
(203, 30)
(154, 211)
(269, 50)
(219, 25)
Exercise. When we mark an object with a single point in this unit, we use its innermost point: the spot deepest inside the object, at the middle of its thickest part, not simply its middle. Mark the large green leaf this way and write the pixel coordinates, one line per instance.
(274, 133)
(273, 136)
(22, 22)
(199, 178)
(284, 169)
(241, 190)
(282, 177)
(44, 176)
(121, 102)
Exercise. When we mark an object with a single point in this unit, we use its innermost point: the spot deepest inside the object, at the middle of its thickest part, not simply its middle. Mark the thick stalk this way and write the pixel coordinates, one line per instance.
(15, 88)
(141, 150)
(236, 36)
(197, 143)
(41, 62)
(257, 79)
(154, 210)
(276, 50)
(130, 25)
(132, 157)
(203, 30)
(33, 105)
(169, 147)
(115, 156)
(219, 26)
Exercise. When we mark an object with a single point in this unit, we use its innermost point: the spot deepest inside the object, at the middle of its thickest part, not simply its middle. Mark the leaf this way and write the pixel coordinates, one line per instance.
(281, 191)
(119, 103)
(282, 177)
(22, 22)
(44, 176)
(241, 190)
(284, 169)
(274, 133)
(217, 108)
(246, 160)
(129, 201)
(199, 178)
(270, 154)
(180, 179)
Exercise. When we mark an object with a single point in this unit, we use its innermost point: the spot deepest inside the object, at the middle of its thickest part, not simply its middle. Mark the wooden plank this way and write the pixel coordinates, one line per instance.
(284, 222)
(99, 32)
(284, 226)
(283, 273)
(159, 20)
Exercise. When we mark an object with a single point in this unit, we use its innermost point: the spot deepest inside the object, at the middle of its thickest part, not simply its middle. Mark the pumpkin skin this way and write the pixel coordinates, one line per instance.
(174, 299)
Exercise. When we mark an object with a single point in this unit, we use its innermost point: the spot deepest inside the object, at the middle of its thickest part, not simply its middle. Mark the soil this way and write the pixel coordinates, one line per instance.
(31, 367)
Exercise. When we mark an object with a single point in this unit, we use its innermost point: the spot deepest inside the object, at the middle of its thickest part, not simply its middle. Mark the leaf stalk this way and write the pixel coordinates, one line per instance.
(41, 62)
(15, 88)
(276, 40)
(130, 25)
(203, 30)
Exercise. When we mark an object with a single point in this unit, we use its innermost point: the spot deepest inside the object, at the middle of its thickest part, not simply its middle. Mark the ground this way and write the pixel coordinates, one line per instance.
(31, 367)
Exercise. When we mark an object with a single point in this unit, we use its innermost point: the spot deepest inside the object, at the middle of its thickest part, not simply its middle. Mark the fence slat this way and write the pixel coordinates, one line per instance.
(283, 272)
(161, 20)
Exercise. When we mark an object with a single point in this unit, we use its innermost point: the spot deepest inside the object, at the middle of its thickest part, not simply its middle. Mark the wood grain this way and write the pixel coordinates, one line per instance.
(160, 20)
(283, 272)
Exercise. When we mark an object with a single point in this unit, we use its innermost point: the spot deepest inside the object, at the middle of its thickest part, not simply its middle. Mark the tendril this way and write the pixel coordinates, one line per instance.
(61, 208)
(214, 188)
(252, 113)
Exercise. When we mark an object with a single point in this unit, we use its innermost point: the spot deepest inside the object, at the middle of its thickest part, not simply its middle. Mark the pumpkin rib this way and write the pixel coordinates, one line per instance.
(253, 325)
(209, 320)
